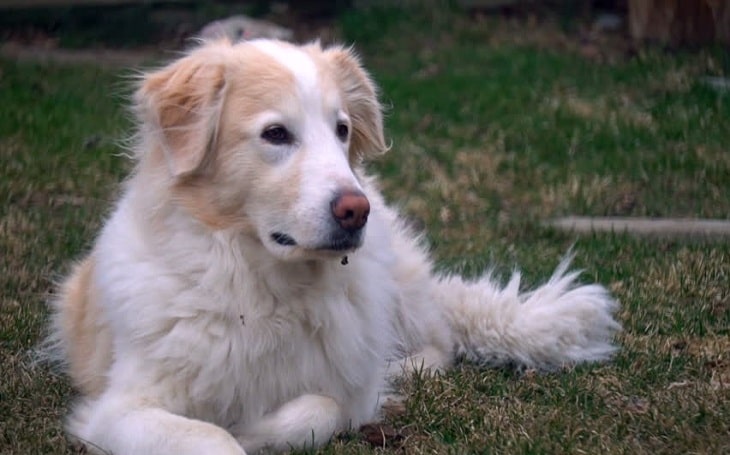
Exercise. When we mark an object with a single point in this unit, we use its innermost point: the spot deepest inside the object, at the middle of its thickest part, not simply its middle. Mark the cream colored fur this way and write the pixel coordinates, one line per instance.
(190, 329)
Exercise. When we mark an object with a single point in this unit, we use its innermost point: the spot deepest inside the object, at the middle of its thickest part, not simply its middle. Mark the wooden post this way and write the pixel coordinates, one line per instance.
(680, 22)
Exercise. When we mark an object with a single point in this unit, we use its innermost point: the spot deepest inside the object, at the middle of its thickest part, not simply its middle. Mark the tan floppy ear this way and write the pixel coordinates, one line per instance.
(361, 99)
(181, 105)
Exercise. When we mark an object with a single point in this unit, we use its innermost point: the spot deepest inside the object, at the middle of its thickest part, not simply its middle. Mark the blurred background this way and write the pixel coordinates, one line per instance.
(168, 23)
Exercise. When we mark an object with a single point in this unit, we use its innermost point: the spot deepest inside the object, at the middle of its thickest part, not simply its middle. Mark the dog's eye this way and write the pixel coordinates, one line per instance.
(277, 135)
(342, 131)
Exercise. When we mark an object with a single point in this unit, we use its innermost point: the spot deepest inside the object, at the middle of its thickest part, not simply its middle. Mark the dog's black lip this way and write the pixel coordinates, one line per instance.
(344, 246)
(343, 242)
(283, 239)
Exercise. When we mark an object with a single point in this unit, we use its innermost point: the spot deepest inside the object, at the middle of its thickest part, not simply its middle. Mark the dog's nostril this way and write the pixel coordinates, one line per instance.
(350, 209)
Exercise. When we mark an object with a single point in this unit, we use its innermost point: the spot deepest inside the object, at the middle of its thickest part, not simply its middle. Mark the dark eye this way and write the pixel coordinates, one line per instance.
(277, 135)
(342, 131)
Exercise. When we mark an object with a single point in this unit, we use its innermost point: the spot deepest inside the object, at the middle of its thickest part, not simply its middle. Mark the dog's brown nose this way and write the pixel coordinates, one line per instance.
(351, 210)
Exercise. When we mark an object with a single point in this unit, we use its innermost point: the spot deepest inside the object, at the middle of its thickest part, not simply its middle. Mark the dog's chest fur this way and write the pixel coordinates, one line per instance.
(237, 338)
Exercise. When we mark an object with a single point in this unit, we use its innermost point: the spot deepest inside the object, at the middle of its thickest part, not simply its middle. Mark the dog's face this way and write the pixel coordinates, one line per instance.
(262, 137)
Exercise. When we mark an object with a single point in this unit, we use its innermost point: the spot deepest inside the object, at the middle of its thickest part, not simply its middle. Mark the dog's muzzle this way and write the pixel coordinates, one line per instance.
(350, 210)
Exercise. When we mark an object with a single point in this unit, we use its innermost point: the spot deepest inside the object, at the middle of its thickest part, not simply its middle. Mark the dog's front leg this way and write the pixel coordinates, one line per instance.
(308, 421)
(124, 425)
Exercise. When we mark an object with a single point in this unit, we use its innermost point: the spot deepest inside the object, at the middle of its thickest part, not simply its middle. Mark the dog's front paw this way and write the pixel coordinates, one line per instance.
(306, 422)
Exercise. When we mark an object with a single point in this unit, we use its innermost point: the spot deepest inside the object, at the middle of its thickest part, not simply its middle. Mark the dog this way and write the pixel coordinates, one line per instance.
(252, 291)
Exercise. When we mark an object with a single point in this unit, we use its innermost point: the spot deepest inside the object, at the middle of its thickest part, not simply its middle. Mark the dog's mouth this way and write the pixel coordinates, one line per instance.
(342, 241)
(283, 239)
(338, 242)
(341, 245)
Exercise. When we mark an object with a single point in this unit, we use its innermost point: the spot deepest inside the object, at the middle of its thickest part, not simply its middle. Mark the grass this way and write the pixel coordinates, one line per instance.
(496, 125)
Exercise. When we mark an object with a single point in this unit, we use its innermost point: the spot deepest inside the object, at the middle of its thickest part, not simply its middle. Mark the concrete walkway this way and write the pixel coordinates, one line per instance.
(656, 227)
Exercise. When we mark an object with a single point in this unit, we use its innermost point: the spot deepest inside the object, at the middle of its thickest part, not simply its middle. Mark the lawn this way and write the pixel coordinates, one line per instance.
(496, 126)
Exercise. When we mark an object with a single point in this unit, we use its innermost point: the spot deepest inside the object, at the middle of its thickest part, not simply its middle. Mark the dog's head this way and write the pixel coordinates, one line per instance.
(263, 137)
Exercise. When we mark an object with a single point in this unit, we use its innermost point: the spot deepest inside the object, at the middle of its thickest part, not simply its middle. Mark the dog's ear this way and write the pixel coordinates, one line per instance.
(181, 104)
(361, 99)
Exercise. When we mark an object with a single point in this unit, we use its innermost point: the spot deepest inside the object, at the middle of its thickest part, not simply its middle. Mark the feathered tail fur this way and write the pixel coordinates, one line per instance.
(559, 323)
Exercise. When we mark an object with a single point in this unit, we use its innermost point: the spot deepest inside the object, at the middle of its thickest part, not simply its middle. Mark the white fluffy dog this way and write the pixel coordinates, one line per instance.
(251, 290)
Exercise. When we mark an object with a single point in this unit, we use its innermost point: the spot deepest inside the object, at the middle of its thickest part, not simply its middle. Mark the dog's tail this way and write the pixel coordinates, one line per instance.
(560, 323)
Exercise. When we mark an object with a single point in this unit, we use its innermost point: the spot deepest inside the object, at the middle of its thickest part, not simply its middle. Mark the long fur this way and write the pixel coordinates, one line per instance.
(191, 327)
